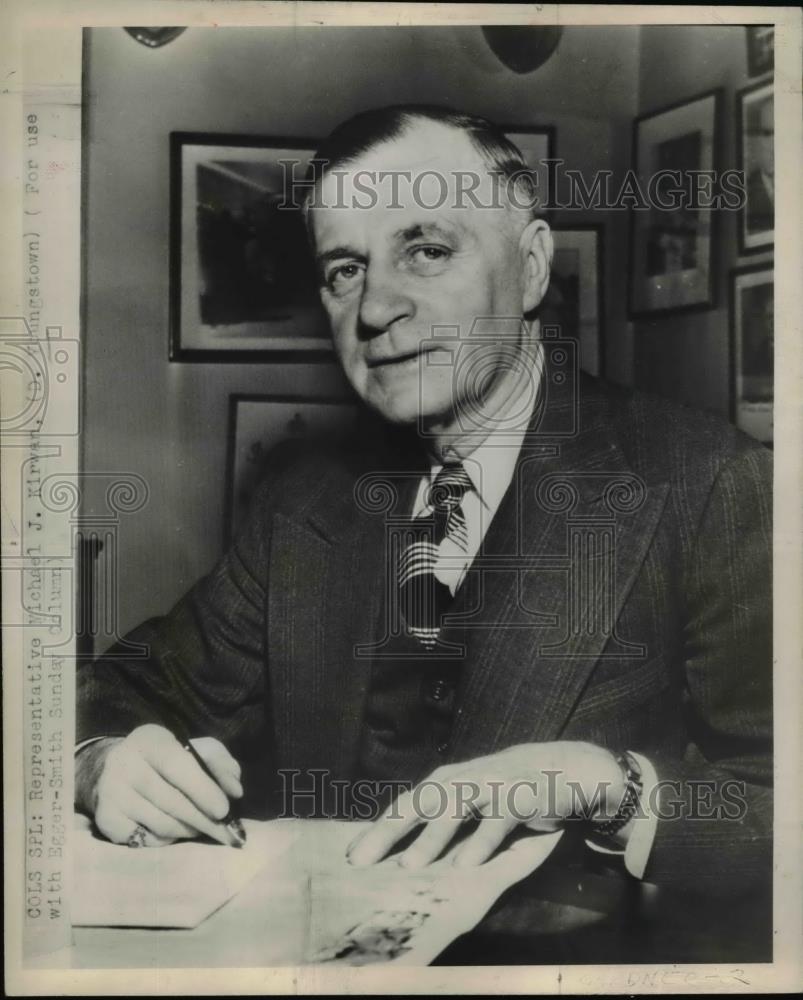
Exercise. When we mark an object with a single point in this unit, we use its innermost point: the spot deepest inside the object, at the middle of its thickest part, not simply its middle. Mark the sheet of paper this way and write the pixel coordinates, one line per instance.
(293, 888)
(386, 913)
(175, 886)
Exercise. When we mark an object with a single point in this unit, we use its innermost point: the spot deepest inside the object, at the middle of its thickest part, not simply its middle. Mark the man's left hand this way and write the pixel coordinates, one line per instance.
(535, 784)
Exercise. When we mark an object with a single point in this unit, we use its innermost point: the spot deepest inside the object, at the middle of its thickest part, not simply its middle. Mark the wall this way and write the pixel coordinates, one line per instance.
(167, 422)
(687, 357)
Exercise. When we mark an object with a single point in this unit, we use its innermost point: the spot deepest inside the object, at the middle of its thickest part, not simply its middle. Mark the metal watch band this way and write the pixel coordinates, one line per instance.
(630, 799)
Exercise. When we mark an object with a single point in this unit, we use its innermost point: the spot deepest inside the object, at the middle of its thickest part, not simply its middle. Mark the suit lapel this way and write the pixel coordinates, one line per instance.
(576, 523)
(325, 601)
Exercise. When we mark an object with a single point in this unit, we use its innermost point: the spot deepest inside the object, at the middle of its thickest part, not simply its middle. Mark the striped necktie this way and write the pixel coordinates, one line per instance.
(423, 598)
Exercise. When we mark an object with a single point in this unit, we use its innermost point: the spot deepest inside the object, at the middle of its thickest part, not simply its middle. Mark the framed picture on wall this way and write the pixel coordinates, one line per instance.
(672, 230)
(752, 350)
(267, 431)
(242, 282)
(760, 49)
(537, 145)
(755, 130)
(574, 300)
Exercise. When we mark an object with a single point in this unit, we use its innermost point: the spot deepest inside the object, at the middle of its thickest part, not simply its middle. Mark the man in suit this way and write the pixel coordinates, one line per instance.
(523, 598)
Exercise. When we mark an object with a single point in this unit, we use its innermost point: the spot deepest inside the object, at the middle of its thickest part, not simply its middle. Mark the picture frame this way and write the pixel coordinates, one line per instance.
(537, 144)
(242, 282)
(752, 350)
(259, 424)
(760, 49)
(672, 251)
(574, 301)
(755, 148)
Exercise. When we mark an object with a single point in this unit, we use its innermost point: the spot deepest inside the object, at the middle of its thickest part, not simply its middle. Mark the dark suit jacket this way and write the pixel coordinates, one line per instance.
(669, 654)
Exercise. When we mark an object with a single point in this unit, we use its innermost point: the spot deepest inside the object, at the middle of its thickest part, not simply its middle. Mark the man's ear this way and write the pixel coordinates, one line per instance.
(536, 248)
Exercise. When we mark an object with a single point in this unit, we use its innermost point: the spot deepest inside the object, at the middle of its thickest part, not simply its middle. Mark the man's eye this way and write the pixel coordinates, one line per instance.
(428, 260)
(341, 278)
(429, 253)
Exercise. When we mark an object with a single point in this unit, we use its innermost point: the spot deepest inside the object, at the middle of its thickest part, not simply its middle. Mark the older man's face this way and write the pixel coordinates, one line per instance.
(400, 280)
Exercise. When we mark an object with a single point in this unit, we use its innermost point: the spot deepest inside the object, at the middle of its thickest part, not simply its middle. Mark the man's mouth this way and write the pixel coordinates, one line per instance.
(395, 359)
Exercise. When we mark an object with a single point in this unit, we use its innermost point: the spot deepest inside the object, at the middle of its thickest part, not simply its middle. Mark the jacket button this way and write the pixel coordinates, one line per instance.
(438, 690)
(442, 747)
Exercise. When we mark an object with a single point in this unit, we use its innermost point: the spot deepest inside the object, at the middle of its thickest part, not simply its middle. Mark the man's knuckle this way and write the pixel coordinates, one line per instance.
(116, 753)
(152, 740)
(144, 734)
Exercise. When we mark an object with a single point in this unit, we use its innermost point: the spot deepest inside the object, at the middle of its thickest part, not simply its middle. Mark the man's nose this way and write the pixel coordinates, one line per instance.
(383, 303)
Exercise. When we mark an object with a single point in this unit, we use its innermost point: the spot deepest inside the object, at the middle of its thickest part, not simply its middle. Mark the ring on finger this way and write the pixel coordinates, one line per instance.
(137, 836)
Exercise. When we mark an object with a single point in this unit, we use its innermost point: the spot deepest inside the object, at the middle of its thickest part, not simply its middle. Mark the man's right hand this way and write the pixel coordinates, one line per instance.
(148, 779)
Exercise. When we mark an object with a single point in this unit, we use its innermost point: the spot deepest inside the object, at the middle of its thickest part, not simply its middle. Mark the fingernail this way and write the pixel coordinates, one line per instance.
(361, 859)
(237, 830)
(354, 843)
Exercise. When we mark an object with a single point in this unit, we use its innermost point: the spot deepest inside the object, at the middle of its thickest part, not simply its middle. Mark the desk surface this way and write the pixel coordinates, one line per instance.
(561, 914)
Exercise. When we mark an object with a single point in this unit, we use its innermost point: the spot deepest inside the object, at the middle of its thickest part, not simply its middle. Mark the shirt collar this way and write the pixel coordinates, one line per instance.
(490, 466)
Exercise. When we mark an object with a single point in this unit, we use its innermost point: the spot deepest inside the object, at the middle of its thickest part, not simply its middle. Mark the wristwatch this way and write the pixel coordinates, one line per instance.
(631, 773)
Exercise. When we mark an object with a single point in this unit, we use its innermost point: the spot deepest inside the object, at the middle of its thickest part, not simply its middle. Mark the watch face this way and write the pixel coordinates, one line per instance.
(630, 798)
(632, 769)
